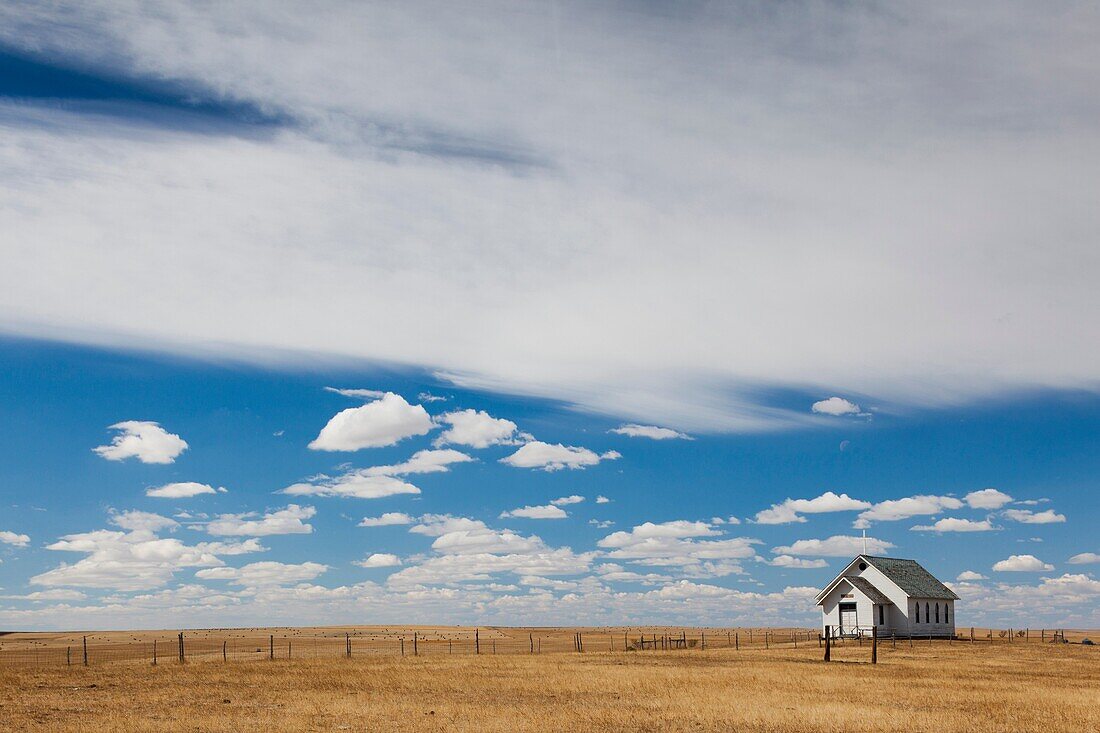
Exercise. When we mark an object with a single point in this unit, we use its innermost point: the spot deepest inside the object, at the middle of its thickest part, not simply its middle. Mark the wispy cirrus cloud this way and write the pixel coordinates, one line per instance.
(444, 159)
(649, 431)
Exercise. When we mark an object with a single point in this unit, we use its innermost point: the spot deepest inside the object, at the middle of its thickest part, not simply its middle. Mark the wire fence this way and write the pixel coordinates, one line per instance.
(225, 645)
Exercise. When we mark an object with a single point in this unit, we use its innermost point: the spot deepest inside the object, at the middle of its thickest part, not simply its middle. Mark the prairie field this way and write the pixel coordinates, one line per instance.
(929, 686)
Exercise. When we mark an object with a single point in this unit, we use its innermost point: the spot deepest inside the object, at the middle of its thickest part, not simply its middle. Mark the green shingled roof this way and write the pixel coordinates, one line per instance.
(911, 577)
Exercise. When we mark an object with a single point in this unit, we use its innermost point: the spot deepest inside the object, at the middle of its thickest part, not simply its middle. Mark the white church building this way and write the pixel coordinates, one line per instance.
(890, 595)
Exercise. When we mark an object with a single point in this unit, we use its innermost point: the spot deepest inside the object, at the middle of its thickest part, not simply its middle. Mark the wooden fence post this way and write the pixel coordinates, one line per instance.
(182, 650)
(85, 641)
(737, 641)
(874, 645)
(495, 646)
(416, 645)
(69, 656)
(225, 657)
(531, 640)
(828, 643)
(703, 642)
(766, 640)
(402, 646)
(477, 642)
(154, 652)
(971, 633)
(271, 646)
(347, 644)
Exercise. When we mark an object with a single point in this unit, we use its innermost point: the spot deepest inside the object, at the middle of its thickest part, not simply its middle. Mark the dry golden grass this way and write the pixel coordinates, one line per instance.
(931, 687)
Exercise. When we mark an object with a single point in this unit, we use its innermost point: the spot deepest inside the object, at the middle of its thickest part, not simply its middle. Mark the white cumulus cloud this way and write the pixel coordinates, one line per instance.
(135, 558)
(144, 440)
(379, 560)
(356, 484)
(437, 525)
(282, 521)
(1021, 564)
(677, 544)
(955, 524)
(424, 461)
(383, 422)
(567, 500)
(792, 509)
(789, 561)
(910, 506)
(386, 520)
(138, 520)
(1029, 517)
(987, 499)
(1084, 558)
(11, 538)
(837, 406)
(554, 457)
(548, 511)
(835, 546)
(267, 573)
(476, 428)
(182, 490)
(969, 575)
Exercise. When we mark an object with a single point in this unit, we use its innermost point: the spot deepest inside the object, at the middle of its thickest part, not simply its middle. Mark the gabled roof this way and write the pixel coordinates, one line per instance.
(868, 589)
(908, 575)
(911, 577)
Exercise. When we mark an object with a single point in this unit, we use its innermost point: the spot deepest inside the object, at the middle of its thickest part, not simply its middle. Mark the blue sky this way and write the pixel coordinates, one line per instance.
(834, 263)
(248, 428)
